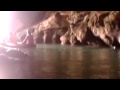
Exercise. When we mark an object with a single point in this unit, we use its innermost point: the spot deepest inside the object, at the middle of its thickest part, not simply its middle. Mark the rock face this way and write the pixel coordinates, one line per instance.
(95, 28)
(51, 29)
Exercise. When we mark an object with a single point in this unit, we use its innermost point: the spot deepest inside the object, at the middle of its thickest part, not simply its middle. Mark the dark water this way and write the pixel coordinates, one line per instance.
(63, 62)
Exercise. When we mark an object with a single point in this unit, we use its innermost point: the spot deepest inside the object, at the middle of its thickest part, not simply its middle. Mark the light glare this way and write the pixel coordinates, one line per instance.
(5, 19)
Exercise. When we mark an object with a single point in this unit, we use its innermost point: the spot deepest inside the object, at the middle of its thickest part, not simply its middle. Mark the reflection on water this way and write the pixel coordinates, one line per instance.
(64, 62)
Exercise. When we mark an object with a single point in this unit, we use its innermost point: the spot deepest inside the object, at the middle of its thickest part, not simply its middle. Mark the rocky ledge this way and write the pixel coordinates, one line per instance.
(95, 28)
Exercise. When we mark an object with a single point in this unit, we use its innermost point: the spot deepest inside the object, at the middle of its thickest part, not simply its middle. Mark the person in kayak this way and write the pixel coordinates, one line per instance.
(28, 39)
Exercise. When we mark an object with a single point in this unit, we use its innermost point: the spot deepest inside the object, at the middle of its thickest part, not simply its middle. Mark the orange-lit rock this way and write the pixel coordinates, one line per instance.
(100, 28)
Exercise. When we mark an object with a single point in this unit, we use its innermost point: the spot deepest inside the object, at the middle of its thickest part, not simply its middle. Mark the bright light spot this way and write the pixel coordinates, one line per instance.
(118, 38)
(5, 19)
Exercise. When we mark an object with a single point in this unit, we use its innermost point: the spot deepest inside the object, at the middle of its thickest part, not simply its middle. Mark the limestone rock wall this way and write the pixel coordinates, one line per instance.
(96, 28)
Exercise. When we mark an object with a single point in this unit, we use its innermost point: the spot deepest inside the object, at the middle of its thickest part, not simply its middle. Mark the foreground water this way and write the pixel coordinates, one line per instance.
(63, 62)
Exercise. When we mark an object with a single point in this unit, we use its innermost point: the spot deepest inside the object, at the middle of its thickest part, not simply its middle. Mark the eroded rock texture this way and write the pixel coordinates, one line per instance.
(95, 28)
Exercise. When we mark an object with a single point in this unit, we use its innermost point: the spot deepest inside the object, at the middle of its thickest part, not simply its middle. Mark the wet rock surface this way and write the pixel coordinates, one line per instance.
(12, 53)
(95, 28)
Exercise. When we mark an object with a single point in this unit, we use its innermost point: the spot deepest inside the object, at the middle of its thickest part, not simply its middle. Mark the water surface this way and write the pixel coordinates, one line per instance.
(63, 62)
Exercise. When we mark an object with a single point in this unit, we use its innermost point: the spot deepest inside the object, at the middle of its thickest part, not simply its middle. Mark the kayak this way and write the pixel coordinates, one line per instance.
(17, 45)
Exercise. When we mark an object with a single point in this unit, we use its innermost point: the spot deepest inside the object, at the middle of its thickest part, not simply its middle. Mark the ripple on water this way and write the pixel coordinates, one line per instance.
(56, 61)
